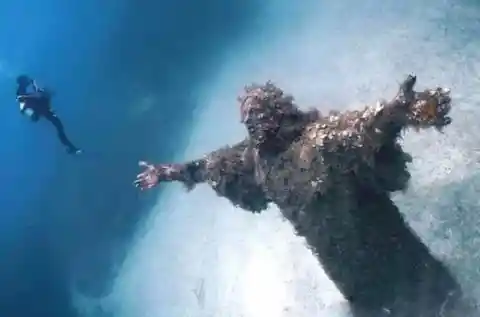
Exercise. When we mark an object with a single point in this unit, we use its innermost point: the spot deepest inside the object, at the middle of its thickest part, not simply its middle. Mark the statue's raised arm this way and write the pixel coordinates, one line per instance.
(409, 109)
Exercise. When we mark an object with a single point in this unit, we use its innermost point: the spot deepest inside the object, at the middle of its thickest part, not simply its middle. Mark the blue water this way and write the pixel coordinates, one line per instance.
(124, 78)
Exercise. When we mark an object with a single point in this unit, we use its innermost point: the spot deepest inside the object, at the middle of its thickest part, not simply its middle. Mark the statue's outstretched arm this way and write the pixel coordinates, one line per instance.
(372, 126)
(415, 109)
(409, 109)
(226, 170)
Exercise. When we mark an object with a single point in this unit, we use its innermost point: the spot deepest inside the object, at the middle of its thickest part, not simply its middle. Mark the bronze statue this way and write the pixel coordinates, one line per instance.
(331, 176)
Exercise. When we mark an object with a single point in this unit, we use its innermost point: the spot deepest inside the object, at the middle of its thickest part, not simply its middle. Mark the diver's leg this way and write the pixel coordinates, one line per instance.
(53, 118)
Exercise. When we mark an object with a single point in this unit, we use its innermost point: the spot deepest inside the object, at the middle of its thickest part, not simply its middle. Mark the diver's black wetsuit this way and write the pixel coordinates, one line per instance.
(39, 103)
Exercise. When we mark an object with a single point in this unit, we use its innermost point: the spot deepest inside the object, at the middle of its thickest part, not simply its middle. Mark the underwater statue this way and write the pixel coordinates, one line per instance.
(332, 176)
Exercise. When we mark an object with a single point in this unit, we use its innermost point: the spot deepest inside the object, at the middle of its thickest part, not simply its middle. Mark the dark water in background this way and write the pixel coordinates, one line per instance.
(125, 74)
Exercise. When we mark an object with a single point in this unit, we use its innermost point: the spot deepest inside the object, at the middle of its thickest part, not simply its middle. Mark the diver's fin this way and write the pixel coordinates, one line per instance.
(74, 151)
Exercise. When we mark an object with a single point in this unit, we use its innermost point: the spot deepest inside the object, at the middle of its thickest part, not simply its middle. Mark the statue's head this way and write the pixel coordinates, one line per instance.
(265, 109)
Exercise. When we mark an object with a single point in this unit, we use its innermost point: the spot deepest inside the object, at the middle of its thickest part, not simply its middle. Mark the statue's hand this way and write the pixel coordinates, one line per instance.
(430, 108)
(148, 178)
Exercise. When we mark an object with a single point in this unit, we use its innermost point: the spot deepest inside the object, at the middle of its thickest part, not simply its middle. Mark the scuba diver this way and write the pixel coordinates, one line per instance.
(35, 103)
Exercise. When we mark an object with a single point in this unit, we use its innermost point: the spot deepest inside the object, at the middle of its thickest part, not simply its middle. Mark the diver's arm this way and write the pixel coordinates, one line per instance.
(36, 87)
(35, 95)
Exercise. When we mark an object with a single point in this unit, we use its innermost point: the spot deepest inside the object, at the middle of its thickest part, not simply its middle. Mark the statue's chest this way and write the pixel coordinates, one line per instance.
(288, 180)
(300, 173)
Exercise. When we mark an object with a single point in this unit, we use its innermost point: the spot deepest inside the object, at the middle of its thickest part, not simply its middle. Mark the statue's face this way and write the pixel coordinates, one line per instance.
(260, 111)
(257, 104)
(431, 109)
